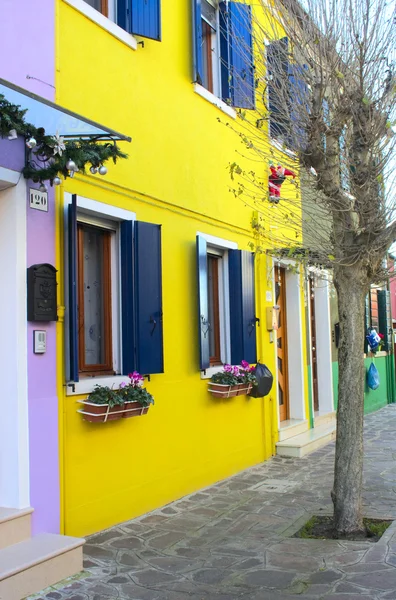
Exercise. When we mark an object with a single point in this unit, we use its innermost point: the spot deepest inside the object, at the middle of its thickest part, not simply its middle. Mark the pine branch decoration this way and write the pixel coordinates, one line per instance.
(51, 154)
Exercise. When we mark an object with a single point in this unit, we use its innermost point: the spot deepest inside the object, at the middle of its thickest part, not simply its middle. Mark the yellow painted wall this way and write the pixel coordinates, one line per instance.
(177, 176)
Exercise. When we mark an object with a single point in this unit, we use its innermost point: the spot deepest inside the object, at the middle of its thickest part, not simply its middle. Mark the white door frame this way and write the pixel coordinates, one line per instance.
(295, 356)
(323, 343)
(14, 432)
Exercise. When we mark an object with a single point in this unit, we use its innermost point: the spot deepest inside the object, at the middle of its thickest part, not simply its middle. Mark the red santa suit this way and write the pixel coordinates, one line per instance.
(277, 177)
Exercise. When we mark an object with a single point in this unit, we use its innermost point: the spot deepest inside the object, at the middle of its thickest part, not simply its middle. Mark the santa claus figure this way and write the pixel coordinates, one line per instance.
(275, 180)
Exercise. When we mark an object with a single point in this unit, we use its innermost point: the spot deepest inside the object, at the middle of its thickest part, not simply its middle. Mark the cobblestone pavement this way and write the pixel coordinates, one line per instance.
(231, 541)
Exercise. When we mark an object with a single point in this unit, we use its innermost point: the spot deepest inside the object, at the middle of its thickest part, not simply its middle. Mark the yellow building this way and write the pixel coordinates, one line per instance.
(142, 303)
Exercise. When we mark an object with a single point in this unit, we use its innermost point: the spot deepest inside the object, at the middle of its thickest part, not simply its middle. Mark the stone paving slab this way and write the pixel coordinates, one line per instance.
(232, 541)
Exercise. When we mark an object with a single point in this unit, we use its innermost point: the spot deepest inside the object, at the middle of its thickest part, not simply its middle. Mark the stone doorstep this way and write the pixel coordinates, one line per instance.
(291, 428)
(323, 418)
(34, 564)
(14, 526)
(307, 442)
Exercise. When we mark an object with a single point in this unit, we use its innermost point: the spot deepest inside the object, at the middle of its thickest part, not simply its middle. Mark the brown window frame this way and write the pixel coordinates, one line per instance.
(207, 32)
(104, 7)
(107, 367)
(215, 360)
(374, 316)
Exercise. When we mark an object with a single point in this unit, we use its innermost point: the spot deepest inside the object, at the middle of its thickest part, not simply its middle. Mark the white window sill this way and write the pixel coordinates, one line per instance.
(96, 17)
(86, 386)
(279, 146)
(211, 371)
(201, 91)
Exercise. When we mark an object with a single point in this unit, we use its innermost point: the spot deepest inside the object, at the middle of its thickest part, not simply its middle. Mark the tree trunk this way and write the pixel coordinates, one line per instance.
(347, 490)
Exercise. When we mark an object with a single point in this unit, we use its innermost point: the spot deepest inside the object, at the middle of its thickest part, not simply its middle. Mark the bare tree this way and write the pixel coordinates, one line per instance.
(325, 89)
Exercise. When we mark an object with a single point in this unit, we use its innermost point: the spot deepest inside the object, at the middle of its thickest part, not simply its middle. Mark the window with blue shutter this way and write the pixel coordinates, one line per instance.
(203, 307)
(242, 306)
(145, 18)
(139, 17)
(231, 316)
(344, 163)
(127, 299)
(299, 106)
(197, 42)
(139, 292)
(278, 87)
(223, 50)
(148, 295)
(236, 43)
(72, 300)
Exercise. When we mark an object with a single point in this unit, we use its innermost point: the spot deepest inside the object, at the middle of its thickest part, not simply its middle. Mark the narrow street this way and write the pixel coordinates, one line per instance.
(232, 540)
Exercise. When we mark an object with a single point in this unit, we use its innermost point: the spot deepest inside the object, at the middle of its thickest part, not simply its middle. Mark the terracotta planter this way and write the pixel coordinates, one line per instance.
(134, 409)
(219, 390)
(101, 413)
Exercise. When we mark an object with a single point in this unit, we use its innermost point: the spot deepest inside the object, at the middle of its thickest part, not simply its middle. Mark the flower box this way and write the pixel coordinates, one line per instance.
(219, 390)
(107, 404)
(134, 409)
(101, 413)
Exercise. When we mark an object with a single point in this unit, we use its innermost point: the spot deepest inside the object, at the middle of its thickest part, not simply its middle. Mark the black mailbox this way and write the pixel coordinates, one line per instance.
(41, 293)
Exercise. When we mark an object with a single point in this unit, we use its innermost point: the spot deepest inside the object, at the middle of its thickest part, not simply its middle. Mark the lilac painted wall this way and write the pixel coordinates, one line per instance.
(43, 400)
(27, 39)
(12, 154)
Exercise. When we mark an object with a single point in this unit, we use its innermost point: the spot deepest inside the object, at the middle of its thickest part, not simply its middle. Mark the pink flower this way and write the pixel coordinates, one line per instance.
(122, 385)
(235, 370)
(135, 377)
(228, 368)
(245, 364)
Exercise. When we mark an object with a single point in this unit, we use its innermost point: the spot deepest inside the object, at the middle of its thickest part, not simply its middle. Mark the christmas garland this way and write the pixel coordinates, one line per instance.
(56, 155)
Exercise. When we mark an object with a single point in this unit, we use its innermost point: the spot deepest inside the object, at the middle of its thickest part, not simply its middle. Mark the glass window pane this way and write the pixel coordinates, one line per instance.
(94, 296)
(281, 399)
(207, 57)
(95, 4)
(208, 13)
(212, 319)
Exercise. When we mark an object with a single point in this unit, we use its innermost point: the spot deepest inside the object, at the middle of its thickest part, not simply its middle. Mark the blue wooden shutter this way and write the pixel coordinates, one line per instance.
(278, 83)
(146, 18)
(148, 298)
(236, 47)
(127, 299)
(123, 14)
(242, 306)
(203, 307)
(197, 42)
(384, 318)
(299, 106)
(140, 17)
(73, 311)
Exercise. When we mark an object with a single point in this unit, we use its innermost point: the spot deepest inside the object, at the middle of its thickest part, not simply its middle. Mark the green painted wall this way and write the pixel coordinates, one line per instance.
(373, 399)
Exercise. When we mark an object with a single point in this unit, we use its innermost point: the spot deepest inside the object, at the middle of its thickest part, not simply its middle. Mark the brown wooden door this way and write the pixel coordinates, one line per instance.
(281, 343)
(313, 346)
